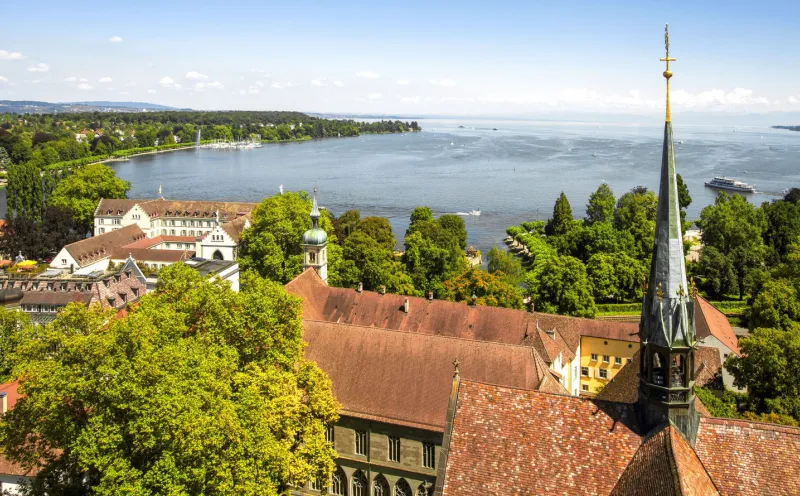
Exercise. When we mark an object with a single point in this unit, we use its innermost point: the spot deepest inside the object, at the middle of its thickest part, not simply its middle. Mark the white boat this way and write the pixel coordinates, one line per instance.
(731, 185)
(475, 212)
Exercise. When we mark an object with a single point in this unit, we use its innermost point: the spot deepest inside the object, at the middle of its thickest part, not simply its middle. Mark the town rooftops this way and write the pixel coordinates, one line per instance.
(366, 366)
(90, 250)
(207, 210)
(446, 318)
(709, 321)
(210, 267)
(512, 441)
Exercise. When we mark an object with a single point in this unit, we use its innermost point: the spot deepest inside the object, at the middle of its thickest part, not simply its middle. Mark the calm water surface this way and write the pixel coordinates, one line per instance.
(511, 175)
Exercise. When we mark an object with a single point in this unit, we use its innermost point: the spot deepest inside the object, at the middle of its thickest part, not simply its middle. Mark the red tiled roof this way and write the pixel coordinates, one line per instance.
(665, 465)
(228, 211)
(710, 321)
(446, 318)
(90, 250)
(235, 227)
(145, 255)
(511, 441)
(750, 458)
(367, 365)
(55, 297)
(148, 242)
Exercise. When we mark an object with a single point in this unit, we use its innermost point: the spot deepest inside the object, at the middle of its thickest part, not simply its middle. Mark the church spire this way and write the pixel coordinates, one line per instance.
(667, 325)
(315, 211)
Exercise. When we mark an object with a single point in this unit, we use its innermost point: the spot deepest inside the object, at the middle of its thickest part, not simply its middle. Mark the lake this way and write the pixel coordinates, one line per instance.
(512, 174)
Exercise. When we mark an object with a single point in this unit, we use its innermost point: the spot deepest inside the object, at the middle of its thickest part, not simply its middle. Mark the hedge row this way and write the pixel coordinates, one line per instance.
(71, 164)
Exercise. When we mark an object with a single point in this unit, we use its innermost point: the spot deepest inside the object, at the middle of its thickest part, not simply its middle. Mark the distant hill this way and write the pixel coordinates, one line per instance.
(34, 107)
(790, 128)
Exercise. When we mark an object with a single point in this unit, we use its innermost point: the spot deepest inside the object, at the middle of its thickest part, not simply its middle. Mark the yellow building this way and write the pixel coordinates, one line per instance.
(604, 354)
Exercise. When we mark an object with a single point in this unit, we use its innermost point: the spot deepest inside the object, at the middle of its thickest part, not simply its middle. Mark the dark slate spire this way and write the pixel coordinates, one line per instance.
(666, 374)
(315, 211)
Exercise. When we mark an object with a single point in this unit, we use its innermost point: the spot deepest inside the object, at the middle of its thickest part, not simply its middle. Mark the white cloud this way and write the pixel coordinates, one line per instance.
(84, 86)
(168, 82)
(410, 99)
(4, 55)
(443, 82)
(3, 79)
(104, 80)
(242, 92)
(151, 91)
(196, 75)
(39, 68)
(131, 84)
(83, 80)
(70, 79)
(368, 74)
(216, 85)
(718, 98)
(260, 84)
(124, 93)
(277, 86)
(793, 100)
(403, 82)
(374, 96)
(338, 84)
(115, 39)
(36, 81)
(319, 82)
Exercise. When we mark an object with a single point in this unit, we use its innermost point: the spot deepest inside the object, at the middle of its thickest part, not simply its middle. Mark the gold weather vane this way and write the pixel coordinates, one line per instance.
(667, 73)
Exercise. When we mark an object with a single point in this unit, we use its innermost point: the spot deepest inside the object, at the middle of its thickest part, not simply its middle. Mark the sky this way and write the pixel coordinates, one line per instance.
(407, 57)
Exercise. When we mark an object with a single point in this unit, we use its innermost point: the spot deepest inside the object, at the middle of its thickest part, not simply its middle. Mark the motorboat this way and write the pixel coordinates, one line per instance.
(731, 185)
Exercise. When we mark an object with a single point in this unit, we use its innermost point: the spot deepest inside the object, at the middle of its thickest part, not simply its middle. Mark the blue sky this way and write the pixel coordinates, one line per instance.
(405, 57)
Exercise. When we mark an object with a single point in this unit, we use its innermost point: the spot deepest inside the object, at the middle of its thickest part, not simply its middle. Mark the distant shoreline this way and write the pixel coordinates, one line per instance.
(788, 128)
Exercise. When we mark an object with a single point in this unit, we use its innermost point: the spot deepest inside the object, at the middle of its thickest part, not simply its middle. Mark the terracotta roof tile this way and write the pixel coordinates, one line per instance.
(366, 365)
(90, 250)
(228, 211)
(511, 441)
(710, 321)
(750, 458)
(145, 255)
(55, 297)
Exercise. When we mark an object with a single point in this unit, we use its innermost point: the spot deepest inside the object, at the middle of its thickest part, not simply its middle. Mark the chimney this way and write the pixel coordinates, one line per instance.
(360, 287)
(430, 295)
(4, 408)
(405, 305)
(382, 289)
(532, 307)
(551, 333)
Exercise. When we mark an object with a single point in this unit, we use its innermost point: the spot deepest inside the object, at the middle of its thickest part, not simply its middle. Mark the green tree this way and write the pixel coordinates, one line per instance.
(81, 191)
(379, 229)
(12, 322)
(636, 213)
(199, 391)
(719, 275)
(734, 227)
(601, 205)
(560, 285)
(601, 237)
(273, 245)
(767, 368)
(562, 219)
(776, 305)
(373, 264)
(684, 199)
(488, 289)
(616, 277)
(5, 160)
(456, 226)
(346, 223)
(500, 261)
(418, 216)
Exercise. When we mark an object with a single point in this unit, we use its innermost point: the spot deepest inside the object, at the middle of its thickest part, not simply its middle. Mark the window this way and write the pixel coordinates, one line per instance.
(100, 221)
(191, 233)
(617, 360)
(117, 221)
(594, 357)
(380, 486)
(422, 490)
(183, 232)
(394, 449)
(585, 371)
(172, 232)
(359, 484)
(102, 230)
(64, 261)
(338, 483)
(630, 360)
(329, 433)
(584, 387)
(314, 485)
(428, 455)
(402, 488)
(603, 373)
(361, 443)
(606, 359)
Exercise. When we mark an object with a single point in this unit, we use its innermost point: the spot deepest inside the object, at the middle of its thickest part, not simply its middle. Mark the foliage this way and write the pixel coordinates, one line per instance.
(684, 199)
(734, 405)
(767, 368)
(560, 284)
(488, 289)
(36, 239)
(372, 263)
(719, 276)
(272, 246)
(11, 320)
(636, 213)
(734, 228)
(562, 218)
(616, 277)
(24, 192)
(456, 226)
(433, 252)
(776, 305)
(500, 261)
(601, 205)
(346, 223)
(200, 390)
(81, 191)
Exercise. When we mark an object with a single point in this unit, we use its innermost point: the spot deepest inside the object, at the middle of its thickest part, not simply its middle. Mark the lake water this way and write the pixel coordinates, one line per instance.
(512, 174)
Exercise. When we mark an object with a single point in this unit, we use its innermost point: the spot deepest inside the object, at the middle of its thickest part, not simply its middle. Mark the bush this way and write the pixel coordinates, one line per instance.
(619, 308)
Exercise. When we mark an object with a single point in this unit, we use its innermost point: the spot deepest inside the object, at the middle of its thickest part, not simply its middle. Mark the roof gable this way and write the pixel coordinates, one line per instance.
(709, 321)
(90, 250)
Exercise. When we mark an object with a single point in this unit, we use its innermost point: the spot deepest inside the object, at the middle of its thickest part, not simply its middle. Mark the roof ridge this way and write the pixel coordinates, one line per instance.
(756, 424)
(559, 395)
(682, 439)
(673, 463)
(413, 333)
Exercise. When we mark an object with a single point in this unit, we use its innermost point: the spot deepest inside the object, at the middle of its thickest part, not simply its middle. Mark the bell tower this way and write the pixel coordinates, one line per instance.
(315, 244)
(666, 329)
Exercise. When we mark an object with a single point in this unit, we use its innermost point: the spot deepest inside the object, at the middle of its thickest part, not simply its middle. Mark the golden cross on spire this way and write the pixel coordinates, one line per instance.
(667, 72)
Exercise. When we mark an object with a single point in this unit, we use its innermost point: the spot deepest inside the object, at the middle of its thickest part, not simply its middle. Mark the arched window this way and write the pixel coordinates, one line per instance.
(402, 488)
(678, 371)
(380, 487)
(339, 482)
(359, 484)
(659, 374)
(218, 256)
(422, 490)
(312, 257)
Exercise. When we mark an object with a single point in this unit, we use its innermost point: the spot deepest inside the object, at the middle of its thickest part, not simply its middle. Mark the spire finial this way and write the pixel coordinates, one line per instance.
(456, 363)
(667, 72)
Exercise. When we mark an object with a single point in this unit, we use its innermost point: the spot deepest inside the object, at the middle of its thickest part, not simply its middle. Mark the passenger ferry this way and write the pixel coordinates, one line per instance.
(731, 184)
